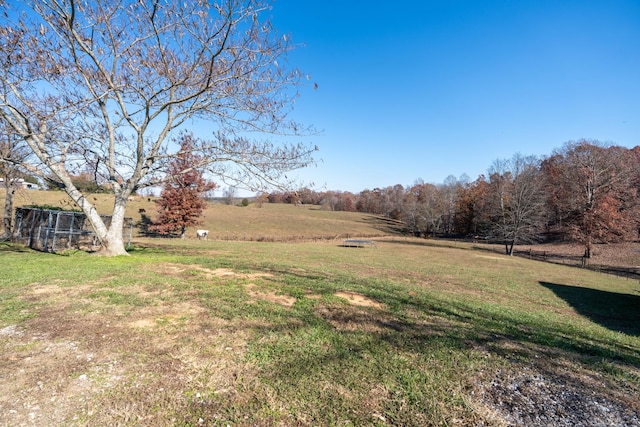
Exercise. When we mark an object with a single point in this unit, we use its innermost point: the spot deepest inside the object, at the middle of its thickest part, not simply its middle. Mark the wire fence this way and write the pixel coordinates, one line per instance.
(50, 230)
(632, 273)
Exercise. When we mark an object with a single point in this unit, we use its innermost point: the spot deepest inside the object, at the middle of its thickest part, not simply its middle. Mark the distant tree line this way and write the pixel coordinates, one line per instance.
(585, 192)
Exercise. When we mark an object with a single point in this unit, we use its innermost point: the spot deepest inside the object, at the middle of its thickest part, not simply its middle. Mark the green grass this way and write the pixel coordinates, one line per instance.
(450, 315)
(117, 298)
(269, 222)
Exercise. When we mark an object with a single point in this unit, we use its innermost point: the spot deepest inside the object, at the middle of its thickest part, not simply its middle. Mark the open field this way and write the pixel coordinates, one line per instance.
(309, 333)
(272, 323)
(271, 222)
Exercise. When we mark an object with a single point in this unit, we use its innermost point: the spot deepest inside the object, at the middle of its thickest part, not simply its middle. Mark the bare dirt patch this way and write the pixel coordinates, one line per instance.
(359, 300)
(255, 292)
(109, 367)
(45, 289)
(174, 314)
(182, 269)
(357, 315)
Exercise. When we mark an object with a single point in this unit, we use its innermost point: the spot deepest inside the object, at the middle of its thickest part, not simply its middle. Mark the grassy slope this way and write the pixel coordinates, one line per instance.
(413, 332)
(269, 222)
(256, 333)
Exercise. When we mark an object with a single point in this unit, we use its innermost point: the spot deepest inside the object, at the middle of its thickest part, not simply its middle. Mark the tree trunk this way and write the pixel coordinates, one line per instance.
(8, 210)
(111, 241)
(587, 247)
(506, 248)
(113, 244)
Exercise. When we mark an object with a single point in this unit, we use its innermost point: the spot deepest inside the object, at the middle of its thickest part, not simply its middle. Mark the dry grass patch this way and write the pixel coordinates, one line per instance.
(109, 367)
(163, 315)
(45, 289)
(185, 270)
(255, 292)
(120, 351)
(359, 300)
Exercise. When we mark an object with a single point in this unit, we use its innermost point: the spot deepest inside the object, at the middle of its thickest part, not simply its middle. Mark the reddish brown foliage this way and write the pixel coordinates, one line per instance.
(471, 207)
(592, 192)
(181, 203)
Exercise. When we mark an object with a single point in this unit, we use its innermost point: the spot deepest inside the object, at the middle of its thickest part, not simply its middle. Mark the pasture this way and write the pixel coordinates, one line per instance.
(285, 330)
(269, 222)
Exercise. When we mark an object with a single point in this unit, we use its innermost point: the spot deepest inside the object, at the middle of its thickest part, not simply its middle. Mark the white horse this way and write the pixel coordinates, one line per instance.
(202, 234)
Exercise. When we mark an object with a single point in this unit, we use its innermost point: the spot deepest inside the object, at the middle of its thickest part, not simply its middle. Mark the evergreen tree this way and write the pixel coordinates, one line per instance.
(181, 203)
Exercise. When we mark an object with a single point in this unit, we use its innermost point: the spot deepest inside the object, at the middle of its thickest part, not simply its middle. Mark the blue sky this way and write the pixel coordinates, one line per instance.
(426, 89)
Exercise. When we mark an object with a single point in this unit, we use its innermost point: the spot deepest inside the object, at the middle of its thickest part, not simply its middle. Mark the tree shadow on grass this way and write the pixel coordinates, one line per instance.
(419, 356)
(326, 353)
(615, 311)
(7, 246)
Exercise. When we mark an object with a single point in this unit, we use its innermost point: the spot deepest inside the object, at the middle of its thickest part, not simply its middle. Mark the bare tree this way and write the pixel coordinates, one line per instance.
(13, 152)
(229, 194)
(107, 82)
(424, 209)
(449, 192)
(516, 198)
(592, 192)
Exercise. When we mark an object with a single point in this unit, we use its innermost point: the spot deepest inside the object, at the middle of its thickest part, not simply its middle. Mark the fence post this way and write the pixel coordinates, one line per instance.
(45, 244)
(55, 233)
(73, 217)
(130, 233)
(31, 228)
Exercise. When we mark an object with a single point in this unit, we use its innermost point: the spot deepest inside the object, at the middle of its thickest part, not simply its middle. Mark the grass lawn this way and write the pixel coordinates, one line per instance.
(412, 332)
